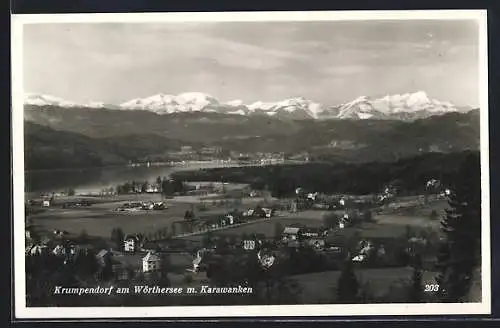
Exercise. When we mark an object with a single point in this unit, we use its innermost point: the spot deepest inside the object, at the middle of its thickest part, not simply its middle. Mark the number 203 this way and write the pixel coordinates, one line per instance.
(431, 288)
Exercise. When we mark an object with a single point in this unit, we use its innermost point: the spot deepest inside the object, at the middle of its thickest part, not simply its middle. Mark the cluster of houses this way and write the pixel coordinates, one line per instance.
(138, 206)
(69, 252)
(436, 186)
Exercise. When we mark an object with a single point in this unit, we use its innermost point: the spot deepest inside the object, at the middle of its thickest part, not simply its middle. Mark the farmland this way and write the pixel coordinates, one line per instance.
(100, 218)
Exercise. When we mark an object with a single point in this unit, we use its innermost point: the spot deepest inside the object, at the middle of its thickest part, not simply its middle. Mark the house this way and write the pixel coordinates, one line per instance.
(103, 257)
(308, 233)
(151, 262)
(131, 243)
(152, 189)
(46, 203)
(36, 250)
(147, 205)
(268, 212)
(59, 250)
(312, 196)
(317, 243)
(230, 219)
(321, 206)
(290, 233)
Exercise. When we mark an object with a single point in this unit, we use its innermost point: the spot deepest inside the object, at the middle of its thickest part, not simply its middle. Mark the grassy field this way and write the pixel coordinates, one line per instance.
(100, 218)
(377, 279)
(385, 226)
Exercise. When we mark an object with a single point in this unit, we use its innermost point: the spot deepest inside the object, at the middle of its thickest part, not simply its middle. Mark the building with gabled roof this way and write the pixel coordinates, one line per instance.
(103, 257)
(290, 233)
(131, 243)
(151, 262)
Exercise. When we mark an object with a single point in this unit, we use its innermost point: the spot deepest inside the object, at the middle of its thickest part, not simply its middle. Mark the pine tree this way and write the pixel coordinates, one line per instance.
(348, 286)
(462, 228)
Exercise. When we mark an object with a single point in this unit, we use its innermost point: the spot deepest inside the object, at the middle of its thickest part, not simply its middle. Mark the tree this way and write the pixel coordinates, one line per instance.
(348, 287)
(433, 215)
(460, 253)
(83, 236)
(166, 187)
(177, 186)
(117, 236)
(189, 215)
(144, 186)
(409, 232)
(330, 221)
(367, 215)
(278, 229)
(71, 191)
(415, 294)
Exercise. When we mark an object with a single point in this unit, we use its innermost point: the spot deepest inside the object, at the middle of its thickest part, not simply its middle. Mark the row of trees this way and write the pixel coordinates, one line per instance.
(164, 186)
(409, 175)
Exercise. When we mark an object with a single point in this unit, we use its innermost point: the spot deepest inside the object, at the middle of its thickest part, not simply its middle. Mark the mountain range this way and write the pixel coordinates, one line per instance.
(408, 106)
(60, 133)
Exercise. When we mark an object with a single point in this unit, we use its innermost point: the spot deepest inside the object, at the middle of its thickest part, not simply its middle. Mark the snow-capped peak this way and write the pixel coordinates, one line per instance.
(416, 103)
(290, 105)
(166, 104)
(397, 106)
(46, 100)
(235, 103)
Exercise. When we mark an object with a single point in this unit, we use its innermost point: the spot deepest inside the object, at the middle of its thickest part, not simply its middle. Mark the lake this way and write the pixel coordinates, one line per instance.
(95, 179)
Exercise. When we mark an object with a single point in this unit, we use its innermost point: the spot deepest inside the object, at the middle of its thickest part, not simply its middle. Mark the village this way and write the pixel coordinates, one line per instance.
(184, 239)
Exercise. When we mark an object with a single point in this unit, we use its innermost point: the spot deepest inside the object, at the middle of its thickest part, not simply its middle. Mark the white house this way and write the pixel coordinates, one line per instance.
(290, 233)
(37, 250)
(312, 196)
(46, 203)
(151, 262)
(59, 250)
(130, 243)
(230, 219)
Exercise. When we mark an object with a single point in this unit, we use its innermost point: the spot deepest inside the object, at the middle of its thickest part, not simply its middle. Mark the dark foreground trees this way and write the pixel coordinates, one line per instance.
(348, 286)
(415, 294)
(460, 253)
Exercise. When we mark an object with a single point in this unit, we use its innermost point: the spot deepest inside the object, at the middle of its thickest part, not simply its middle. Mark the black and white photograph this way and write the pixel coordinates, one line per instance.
(250, 164)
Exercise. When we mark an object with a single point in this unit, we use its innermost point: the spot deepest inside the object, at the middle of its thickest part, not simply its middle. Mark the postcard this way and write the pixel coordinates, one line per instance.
(250, 164)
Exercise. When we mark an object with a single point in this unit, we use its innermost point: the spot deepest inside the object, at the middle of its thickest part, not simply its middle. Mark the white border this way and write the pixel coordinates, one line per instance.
(23, 312)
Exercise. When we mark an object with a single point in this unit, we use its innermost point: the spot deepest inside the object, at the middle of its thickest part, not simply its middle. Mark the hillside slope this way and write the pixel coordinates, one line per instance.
(46, 148)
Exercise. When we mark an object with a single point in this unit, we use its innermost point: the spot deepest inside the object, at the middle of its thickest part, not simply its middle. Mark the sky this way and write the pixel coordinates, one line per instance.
(328, 62)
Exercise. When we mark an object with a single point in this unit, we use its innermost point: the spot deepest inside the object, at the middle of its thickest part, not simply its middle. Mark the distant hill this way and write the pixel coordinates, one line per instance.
(196, 127)
(101, 136)
(46, 148)
(365, 140)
